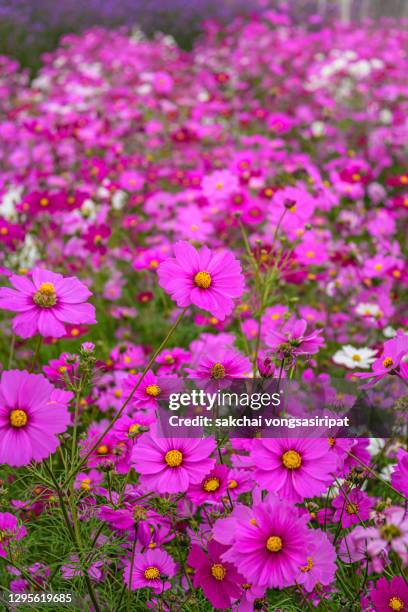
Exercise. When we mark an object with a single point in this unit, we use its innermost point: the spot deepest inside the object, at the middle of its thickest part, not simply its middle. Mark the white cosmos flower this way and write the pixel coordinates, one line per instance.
(368, 310)
(353, 357)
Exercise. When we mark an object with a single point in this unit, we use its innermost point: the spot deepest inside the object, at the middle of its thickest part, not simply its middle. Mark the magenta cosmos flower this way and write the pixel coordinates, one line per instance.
(10, 531)
(207, 279)
(220, 581)
(150, 569)
(399, 478)
(388, 596)
(212, 488)
(45, 302)
(352, 507)
(170, 465)
(220, 367)
(269, 548)
(294, 468)
(294, 340)
(320, 567)
(32, 413)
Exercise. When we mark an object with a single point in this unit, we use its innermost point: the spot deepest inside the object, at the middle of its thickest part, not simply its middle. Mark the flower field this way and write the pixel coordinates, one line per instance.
(230, 213)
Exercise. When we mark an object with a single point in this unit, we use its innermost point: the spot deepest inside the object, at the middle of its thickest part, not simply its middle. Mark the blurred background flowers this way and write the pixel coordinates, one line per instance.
(29, 28)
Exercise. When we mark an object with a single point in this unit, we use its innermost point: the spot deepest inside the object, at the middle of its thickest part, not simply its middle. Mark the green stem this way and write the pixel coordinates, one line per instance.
(74, 533)
(36, 353)
(11, 354)
(119, 414)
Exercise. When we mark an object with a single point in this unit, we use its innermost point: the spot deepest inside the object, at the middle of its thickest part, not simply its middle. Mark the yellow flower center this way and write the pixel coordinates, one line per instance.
(218, 371)
(154, 264)
(352, 508)
(139, 513)
(169, 359)
(291, 460)
(232, 484)
(356, 357)
(102, 449)
(46, 296)
(44, 202)
(173, 458)
(211, 484)
(202, 279)
(134, 429)
(396, 603)
(153, 390)
(274, 544)
(4, 231)
(118, 393)
(151, 573)
(388, 362)
(389, 532)
(332, 442)
(218, 571)
(18, 418)
(308, 567)
(86, 484)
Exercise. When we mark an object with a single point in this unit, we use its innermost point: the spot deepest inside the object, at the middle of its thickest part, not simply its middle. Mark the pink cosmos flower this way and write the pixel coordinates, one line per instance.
(88, 481)
(219, 367)
(294, 468)
(352, 507)
(10, 531)
(394, 351)
(45, 302)
(294, 340)
(392, 535)
(220, 185)
(321, 561)
(171, 360)
(207, 279)
(150, 569)
(150, 391)
(390, 595)
(170, 465)
(220, 581)
(72, 569)
(399, 478)
(269, 548)
(212, 488)
(32, 413)
(112, 451)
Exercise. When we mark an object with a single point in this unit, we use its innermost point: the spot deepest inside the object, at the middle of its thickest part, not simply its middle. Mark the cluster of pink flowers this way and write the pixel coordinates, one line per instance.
(250, 196)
